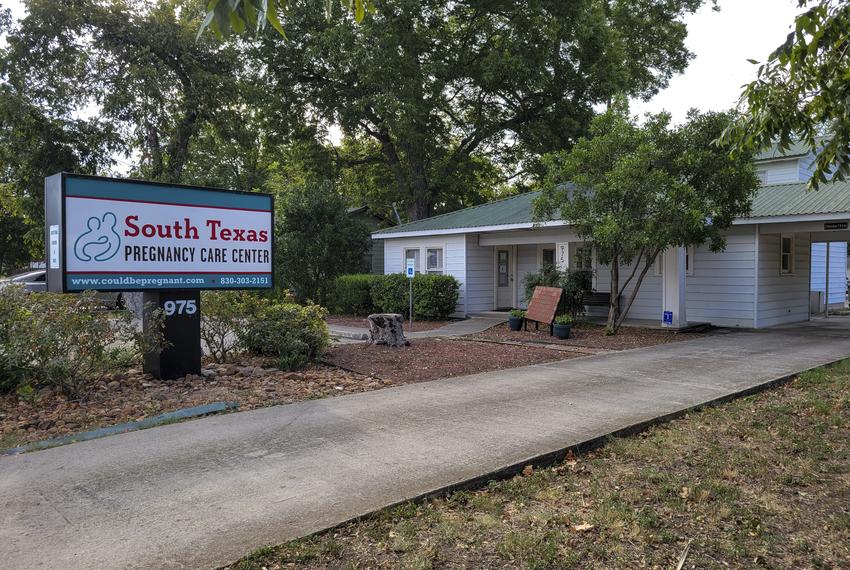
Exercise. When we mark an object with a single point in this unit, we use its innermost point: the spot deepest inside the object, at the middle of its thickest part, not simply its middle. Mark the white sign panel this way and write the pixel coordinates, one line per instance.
(128, 235)
(562, 256)
(411, 268)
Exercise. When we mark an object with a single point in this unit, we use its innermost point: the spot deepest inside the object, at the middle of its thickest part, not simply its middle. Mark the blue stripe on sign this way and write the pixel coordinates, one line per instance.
(124, 282)
(125, 190)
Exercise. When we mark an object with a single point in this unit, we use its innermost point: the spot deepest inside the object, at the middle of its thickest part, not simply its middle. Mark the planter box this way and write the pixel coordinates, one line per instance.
(561, 331)
(515, 323)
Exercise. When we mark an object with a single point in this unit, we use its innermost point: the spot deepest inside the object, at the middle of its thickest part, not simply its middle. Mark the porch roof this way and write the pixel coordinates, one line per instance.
(771, 201)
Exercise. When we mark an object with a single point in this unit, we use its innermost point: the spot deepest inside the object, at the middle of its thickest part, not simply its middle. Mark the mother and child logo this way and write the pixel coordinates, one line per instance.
(101, 242)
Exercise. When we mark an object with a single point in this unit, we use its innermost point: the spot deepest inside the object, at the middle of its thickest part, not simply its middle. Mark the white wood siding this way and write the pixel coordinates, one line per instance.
(780, 171)
(480, 275)
(722, 286)
(837, 270)
(782, 298)
(648, 302)
(454, 259)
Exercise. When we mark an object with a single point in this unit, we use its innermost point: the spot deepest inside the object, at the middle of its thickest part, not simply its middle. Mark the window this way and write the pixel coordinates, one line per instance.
(434, 259)
(547, 257)
(414, 255)
(502, 270)
(762, 176)
(786, 254)
(584, 257)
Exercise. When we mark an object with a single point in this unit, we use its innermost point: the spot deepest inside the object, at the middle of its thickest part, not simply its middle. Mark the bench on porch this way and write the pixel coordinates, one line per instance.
(597, 299)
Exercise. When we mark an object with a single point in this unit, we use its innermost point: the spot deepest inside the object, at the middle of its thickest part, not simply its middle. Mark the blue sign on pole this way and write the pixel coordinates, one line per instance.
(411, 269)
(668, 318)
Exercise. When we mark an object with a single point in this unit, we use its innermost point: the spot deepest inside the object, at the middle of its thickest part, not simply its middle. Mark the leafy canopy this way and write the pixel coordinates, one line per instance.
(802, 92)
(226, 16)
(445, 89)
(635, 190)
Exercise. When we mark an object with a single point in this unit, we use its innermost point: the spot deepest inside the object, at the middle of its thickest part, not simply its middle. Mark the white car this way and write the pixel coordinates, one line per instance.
(35, 281)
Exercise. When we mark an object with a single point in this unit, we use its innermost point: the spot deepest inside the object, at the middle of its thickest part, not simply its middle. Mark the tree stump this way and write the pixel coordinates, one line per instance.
(388, 329)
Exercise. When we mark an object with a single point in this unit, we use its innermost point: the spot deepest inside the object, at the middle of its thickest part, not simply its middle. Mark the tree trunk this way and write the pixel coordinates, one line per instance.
(387, 329)
(614, 303)
(633, 296)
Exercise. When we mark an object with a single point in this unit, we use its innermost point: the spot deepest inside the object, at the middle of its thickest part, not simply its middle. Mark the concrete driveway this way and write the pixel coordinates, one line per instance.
(206, 492)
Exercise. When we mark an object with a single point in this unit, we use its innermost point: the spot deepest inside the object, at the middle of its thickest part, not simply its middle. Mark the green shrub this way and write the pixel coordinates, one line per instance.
(352, 294)
(563, 320)
(517, 313)
(63, 341)
(434, 296)
(390, 293)
(224, 317)
(576, 283)
(293, 334)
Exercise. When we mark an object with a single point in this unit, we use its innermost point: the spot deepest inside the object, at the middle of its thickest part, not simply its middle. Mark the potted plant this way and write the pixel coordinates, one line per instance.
(515, 319)
(562, 325)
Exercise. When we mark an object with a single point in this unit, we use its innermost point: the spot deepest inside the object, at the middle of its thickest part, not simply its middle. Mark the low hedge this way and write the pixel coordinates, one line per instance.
(352, 294)
(434, 296)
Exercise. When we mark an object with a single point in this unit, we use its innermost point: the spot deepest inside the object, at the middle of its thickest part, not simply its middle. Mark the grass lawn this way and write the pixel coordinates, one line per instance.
(761, 482)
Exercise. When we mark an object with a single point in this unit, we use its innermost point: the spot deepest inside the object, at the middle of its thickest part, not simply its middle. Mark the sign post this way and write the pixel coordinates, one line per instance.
(168, 241)
(411, 273)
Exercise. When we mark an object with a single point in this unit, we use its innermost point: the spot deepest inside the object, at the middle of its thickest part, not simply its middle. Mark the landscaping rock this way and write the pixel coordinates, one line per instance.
(258, 372)
(208, 373)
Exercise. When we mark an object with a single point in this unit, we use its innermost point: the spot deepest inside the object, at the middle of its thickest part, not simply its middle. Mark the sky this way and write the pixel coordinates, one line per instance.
(721, 41)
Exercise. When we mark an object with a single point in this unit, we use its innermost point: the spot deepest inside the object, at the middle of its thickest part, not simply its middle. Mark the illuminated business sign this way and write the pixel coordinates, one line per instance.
(113, 234)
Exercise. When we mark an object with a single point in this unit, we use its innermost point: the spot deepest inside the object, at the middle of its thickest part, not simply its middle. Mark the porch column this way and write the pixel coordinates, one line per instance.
(673, 287)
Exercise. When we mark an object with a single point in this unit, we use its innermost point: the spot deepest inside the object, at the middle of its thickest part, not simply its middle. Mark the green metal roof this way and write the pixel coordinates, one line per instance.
(772, 200)
(796, 200)
(795, 150)
(513, 210)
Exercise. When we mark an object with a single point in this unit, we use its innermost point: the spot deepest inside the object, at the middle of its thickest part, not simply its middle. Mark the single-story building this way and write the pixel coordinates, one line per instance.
(763, 277)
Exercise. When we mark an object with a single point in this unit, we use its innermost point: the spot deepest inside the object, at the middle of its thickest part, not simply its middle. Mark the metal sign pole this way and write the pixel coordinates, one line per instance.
(411, 273)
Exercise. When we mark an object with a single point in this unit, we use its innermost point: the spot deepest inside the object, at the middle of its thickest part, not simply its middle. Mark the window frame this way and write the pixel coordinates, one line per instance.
(417, 259)
(792, 254)
(441, 256)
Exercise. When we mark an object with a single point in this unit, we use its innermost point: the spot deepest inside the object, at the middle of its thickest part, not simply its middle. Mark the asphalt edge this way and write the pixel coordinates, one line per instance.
(556, 456)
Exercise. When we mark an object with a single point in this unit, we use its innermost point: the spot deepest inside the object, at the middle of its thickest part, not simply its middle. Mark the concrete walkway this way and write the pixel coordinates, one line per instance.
(203, 493)
(463, 327)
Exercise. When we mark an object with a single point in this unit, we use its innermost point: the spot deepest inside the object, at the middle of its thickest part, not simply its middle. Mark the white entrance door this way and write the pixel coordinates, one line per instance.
(504, 278)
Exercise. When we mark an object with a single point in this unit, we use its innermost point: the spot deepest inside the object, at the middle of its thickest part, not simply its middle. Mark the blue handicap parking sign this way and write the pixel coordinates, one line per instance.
(668, 318)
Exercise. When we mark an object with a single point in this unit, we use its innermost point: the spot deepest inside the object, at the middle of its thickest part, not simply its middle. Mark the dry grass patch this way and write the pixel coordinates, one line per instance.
(760, 482)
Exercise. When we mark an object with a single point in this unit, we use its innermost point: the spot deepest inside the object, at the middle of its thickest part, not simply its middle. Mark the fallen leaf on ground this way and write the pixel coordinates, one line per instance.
(583, 527)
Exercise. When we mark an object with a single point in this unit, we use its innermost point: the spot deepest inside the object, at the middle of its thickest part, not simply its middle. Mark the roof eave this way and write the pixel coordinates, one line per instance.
(467, 230)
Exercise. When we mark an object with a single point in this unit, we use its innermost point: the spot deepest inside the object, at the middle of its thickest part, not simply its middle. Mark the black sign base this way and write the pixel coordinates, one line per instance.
(182, 333)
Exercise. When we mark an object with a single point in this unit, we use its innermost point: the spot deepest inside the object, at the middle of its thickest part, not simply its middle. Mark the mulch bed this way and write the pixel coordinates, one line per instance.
(588, 335)
(134, 396)
(362, 322)
(430, 359)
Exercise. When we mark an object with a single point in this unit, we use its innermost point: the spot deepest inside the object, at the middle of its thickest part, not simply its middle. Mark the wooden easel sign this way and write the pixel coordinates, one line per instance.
(543, 306)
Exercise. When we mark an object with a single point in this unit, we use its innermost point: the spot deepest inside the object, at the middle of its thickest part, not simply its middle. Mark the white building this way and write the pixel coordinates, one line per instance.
(763, 277)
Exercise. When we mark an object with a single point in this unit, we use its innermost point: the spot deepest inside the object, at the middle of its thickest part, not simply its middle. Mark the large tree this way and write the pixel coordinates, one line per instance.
(440, 85)
(140, 69)
(802, 91)
(635, 190)
(33, 145)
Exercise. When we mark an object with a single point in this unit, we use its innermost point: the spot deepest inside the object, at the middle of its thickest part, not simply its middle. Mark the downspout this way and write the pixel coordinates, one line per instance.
(756, 282)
